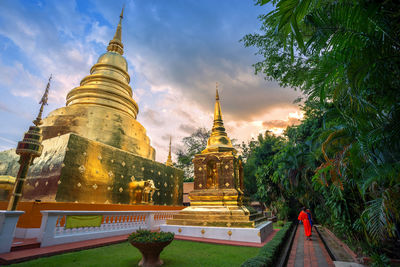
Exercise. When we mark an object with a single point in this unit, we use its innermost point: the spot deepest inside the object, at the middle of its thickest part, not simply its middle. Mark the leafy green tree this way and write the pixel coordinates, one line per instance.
(249, 167)
(192, 145)
(258, 153)
(345, 57)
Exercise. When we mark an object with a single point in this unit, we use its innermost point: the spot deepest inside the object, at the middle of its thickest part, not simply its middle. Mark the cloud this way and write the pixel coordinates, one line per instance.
(176, 51)
(22, 114)
(184, 62)
(152, 116)
(189, 129)
(281, 123)
(165, 137)
(12, 142)
(99, 34)
(7, 109)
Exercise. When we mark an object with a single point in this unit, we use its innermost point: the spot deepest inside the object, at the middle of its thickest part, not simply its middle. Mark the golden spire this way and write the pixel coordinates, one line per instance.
(217, 110)
(28, 149)
(115, 44)
(38, 121)
(219, 140)
(108, 82)
(169, 159)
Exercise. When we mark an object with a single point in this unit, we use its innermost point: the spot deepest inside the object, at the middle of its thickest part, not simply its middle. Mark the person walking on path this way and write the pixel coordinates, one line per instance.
(304, 218)
(309, 217)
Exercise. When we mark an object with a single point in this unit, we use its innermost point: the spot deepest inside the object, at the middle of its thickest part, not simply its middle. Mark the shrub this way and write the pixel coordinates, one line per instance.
(146, 236)
(257, 261)
(280, 223)
(269, 253)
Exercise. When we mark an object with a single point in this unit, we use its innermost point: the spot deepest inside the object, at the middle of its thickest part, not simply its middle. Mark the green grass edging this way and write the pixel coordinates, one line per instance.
(268, 254)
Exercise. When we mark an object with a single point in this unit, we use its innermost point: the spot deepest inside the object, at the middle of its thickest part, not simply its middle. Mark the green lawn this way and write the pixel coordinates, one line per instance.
(278, 225)
(178, 253)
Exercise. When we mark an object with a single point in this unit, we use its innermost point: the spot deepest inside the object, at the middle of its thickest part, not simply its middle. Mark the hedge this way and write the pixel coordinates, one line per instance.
(268, 254)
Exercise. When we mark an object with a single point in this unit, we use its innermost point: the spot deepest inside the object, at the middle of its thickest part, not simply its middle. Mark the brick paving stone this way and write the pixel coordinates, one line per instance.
(321, 260)
(293, 251)
(306, 253)
(299, 260)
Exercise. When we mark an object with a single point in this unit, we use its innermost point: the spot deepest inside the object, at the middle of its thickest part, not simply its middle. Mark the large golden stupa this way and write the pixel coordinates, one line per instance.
(94, 149)
(102, 108)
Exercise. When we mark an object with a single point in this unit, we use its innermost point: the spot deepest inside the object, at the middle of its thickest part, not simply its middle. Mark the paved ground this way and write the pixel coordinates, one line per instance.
(308, 253)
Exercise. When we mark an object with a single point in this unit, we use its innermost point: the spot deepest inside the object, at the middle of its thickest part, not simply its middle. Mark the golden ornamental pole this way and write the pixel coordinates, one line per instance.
(28, 149)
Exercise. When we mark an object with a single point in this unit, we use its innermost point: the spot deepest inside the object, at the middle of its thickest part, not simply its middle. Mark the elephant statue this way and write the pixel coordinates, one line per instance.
(141, 192)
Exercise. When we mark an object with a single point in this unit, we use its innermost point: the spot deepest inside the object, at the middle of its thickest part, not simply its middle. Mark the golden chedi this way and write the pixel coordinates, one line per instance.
(217, 209)
(94, 150)
(218, 171)
(169, 159)
(102, 108)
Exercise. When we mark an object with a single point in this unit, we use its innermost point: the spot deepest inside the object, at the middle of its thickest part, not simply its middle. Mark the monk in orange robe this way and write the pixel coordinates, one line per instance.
(307, 227)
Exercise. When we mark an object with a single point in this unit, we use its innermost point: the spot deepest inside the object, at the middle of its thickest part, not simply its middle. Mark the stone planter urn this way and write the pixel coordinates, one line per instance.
(151, 252)
(150, 244)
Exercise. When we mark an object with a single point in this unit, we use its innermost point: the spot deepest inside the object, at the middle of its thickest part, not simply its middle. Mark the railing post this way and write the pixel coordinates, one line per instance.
(47, 228)
(151, 225)
(8, 223)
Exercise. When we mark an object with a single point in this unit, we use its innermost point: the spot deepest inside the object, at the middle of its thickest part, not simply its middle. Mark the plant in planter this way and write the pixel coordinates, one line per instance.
(150, 244)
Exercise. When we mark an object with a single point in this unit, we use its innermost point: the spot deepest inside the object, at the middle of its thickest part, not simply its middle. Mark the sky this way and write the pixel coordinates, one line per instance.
(176, 51)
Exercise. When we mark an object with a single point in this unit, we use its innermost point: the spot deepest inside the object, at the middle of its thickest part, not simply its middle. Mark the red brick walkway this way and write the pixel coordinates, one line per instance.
(308, 253)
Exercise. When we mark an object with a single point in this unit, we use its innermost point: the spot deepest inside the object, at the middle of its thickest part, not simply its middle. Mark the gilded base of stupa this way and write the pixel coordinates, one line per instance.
(218, 207)
(219, 216)
(219, 220)
(75, 169)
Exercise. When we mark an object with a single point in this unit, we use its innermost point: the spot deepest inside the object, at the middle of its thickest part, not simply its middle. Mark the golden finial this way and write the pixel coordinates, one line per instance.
(169, 159)
(115, 44)
(219, 140)
(38, 121)
(122, 14)
(216, 91)
(217, 110)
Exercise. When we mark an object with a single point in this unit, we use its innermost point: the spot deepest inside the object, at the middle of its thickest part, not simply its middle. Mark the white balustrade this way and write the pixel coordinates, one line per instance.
(114, 223)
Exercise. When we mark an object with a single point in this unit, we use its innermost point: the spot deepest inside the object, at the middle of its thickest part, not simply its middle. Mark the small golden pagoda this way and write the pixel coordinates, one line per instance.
(217, 198)
(169, 159)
